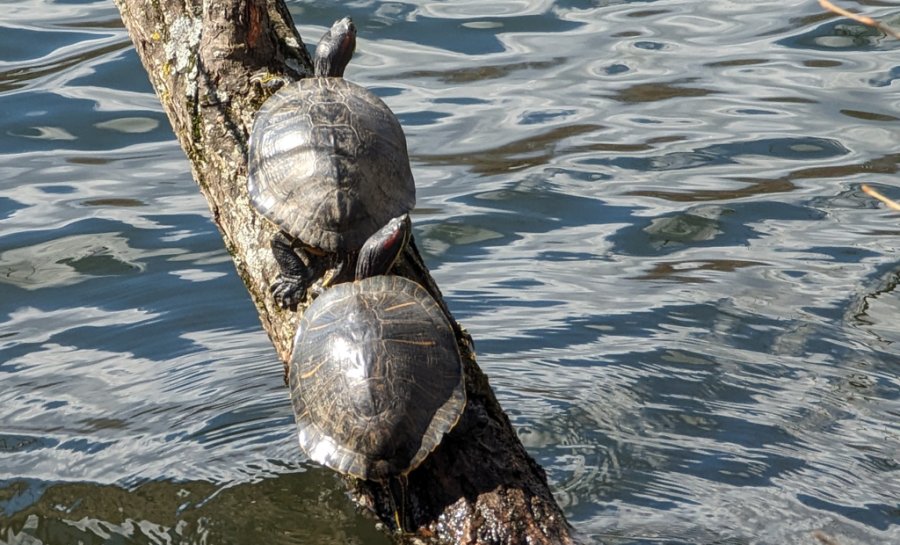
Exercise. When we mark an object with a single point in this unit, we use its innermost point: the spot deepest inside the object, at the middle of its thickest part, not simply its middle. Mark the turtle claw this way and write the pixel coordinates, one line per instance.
(288, 291)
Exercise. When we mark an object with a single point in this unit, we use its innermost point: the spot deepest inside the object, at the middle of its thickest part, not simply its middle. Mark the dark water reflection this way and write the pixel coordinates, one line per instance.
(648, 217)
(270, 510)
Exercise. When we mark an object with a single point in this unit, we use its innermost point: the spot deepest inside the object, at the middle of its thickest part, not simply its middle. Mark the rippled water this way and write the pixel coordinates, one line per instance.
(647, 214)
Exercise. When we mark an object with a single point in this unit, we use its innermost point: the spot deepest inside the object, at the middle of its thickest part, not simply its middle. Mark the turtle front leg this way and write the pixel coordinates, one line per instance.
(290, 287)
(334, 276)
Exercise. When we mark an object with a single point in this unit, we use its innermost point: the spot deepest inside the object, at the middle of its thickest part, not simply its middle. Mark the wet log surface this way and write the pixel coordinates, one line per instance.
(479, 486)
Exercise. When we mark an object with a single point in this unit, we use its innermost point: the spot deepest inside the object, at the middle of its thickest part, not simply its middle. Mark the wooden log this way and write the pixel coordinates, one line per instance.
(479, 486)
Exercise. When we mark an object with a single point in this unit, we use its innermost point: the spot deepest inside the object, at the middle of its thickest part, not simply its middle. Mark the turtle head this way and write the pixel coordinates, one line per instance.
(381, 251)
(335, 49)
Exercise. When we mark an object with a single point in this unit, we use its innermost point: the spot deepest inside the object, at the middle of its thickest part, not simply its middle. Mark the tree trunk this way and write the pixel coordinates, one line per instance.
(479, 486)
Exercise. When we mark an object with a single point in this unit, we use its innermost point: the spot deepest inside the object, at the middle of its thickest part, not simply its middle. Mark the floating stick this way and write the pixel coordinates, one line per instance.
(888, 202)
(860, 18)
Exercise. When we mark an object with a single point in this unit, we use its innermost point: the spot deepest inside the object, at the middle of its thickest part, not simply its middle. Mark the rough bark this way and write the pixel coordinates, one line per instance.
(479, 486)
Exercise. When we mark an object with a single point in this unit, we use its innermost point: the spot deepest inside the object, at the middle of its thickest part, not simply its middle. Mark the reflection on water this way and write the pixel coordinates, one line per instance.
(648, 218)
(189, 512)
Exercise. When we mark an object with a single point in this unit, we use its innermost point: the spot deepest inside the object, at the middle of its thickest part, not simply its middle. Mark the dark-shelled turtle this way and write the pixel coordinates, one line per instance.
(328, 165)
(376, 377)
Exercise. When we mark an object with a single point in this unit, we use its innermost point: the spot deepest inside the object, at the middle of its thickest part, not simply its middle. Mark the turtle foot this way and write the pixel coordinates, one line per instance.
(270, 81)
(288, 291)
(289, 288)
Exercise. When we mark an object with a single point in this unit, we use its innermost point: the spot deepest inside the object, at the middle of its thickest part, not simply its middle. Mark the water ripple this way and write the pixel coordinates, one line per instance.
(649, 218)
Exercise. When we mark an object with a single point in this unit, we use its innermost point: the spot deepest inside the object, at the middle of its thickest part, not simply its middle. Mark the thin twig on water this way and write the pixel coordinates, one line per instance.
(889, 31)
(893, 205)
(860, 18)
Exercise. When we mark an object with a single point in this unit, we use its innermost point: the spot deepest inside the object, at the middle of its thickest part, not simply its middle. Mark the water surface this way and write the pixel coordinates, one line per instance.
(648, 215)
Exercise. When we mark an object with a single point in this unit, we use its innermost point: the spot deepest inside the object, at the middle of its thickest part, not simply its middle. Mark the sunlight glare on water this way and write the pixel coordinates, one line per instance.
(648, 215)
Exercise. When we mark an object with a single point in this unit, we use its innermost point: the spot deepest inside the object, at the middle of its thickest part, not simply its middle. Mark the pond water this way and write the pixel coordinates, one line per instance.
(648, 215)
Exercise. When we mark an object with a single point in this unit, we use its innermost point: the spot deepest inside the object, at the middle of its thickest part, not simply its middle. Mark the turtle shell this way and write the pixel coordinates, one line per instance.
(328, 163)
(376, 377)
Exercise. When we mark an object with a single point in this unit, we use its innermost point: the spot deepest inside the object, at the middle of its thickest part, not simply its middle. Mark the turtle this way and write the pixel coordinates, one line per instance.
(327, 164)
(375, 374)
